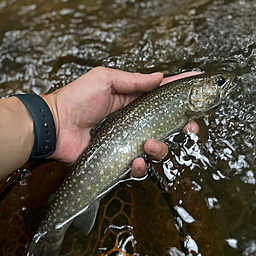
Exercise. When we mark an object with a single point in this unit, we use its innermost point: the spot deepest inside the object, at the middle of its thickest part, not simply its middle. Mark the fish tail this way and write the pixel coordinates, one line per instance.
(37, 250)
(45, 247)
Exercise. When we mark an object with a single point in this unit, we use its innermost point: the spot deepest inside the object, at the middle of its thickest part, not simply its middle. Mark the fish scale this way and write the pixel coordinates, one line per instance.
(156, 114)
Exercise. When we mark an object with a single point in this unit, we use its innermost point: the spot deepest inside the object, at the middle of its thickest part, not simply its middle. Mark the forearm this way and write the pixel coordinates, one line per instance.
(16, 135)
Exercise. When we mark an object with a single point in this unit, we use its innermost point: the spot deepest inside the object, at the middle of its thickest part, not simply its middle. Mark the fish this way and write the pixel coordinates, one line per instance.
(117, 141)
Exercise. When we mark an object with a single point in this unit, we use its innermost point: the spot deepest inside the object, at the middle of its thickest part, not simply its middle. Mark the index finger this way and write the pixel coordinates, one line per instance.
(129, 83)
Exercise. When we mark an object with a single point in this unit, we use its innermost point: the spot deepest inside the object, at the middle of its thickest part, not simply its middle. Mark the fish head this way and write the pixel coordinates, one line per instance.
(209, 90)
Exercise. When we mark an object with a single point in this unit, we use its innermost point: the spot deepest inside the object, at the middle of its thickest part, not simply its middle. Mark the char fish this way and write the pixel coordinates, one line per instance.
(119, 140)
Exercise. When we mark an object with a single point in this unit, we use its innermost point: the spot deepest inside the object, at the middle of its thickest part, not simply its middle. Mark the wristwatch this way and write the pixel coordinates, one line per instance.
(44, 126)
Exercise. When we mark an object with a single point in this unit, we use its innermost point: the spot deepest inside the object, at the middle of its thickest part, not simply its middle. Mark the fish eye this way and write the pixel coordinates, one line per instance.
(220, 80)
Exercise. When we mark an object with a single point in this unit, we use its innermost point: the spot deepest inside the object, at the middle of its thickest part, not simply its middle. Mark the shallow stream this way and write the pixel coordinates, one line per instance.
(45, 45)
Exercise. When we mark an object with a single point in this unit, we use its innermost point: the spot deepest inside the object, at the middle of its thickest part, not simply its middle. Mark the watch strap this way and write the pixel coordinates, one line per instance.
(44, 126)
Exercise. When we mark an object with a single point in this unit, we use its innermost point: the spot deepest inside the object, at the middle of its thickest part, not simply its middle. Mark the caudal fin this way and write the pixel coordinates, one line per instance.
(38, 249)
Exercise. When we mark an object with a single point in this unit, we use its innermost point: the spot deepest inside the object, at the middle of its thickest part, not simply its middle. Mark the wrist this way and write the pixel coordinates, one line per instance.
(44, 125)
(21, 115)
(71, 138)
(50, 100)
(17, 135)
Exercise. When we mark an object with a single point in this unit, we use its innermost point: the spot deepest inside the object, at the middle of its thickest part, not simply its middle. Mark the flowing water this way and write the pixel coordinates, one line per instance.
(45, 44)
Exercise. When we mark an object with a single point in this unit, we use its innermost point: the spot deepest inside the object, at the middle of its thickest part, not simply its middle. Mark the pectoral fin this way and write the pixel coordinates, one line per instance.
(86, 220)
(193, 115)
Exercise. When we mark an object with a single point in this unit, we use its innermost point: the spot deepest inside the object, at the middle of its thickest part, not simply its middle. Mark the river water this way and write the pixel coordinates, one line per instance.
(45, 45)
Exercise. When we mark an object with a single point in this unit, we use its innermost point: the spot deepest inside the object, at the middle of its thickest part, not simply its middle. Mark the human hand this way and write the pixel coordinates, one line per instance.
(79, 106)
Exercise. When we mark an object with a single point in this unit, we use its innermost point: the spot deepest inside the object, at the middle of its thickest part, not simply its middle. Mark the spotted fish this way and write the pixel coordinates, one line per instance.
(119, 140)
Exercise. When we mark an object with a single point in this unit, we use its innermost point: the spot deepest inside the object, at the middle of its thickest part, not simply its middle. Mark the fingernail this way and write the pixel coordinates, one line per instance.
(142, 170)
(156, 148)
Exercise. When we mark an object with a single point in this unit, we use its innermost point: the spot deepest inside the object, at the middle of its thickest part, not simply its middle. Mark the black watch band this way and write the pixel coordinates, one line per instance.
(44, 126)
